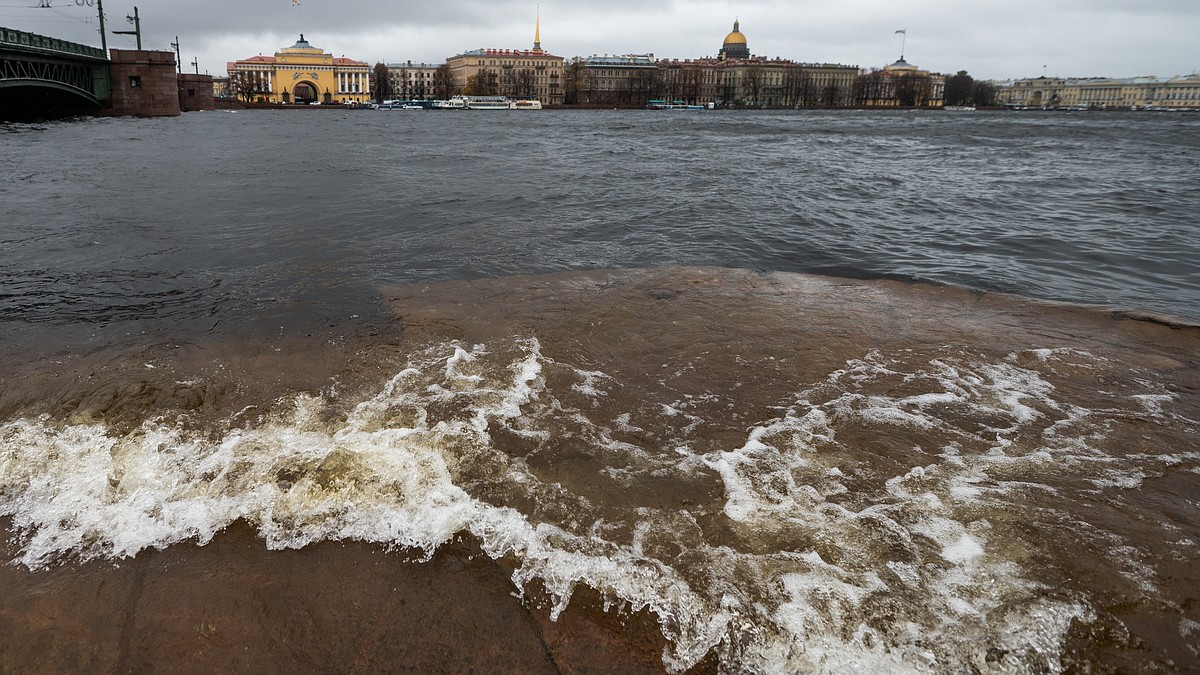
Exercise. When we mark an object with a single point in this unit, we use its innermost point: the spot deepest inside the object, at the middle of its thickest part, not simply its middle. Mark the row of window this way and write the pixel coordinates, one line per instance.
(502, 62)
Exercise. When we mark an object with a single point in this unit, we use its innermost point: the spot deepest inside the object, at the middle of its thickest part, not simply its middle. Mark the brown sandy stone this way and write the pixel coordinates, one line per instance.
(234, 606)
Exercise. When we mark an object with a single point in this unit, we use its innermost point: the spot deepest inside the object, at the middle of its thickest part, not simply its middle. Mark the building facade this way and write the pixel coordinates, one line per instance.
(900, 84)
(734, 77)
(411, 81)
(741, 78)
(1103, 93)
(301, 73)
(783, 83)
(619, 80)
(532, 73)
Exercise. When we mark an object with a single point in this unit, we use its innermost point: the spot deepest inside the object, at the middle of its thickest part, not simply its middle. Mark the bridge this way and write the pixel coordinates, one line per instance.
(47, 77)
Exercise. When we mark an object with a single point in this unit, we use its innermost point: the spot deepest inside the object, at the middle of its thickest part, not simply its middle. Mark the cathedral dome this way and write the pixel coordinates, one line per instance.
(736, 37)
(735, 46)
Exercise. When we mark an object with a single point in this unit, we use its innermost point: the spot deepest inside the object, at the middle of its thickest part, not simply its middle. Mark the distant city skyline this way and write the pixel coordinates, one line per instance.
(989, 39)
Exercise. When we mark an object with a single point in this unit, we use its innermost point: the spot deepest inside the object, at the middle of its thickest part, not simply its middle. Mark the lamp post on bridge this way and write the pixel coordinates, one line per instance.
(178, 58)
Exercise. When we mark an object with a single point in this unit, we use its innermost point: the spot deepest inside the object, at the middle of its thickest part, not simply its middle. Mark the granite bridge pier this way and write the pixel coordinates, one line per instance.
(43, 77)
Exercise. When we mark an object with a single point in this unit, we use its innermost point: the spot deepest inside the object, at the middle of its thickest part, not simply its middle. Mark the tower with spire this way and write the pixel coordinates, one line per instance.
(537, 30)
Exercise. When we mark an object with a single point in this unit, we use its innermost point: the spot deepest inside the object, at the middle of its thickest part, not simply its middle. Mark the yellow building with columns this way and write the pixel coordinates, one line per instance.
(300, 74)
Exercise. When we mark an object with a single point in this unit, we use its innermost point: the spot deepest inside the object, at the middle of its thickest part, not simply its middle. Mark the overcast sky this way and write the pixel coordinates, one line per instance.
(991, 39)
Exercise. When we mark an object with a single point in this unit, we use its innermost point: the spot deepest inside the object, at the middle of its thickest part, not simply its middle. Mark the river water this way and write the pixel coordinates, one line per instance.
(734, 391)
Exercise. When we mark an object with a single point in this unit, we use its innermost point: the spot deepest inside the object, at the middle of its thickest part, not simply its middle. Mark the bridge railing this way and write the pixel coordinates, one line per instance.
(34, 42)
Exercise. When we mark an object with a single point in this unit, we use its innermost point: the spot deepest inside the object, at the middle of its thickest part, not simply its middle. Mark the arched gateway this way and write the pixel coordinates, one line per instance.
(304, 92)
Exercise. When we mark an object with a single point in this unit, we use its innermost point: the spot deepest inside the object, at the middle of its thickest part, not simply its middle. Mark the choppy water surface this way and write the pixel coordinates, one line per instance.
(607, 346)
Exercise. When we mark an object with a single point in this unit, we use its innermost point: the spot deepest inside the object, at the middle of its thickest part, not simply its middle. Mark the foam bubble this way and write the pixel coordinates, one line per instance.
(821, 552)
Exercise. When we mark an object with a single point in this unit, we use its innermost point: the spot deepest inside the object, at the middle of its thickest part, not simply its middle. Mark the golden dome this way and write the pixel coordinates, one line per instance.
(736, 37)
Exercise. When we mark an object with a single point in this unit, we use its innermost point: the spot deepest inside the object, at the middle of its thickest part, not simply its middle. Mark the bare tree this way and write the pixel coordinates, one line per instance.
(417, 90)
(591, 86)
(507, 81)
(752, 79)
(985, 93)
(643, 86)
(692, 80)
(484, 83)
(526, 82)
(912, 90)
(671, 84)
(794, 81)
(572, 76)
(383, 82)
(871, 89)
(960, 89)
(443, 82)
(488, 82)
(247, 85)
(831, 95)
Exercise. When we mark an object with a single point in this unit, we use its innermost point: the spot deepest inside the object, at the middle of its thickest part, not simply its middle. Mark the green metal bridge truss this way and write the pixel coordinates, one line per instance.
(30, 60)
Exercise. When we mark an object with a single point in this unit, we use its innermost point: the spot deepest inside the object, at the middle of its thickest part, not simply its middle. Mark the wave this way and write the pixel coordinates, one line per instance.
(792, 473)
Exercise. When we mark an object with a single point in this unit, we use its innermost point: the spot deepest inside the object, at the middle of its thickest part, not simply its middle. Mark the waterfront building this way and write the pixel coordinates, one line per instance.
(900, 84)
(301, 73)
(741, 78)
(691, 81)
(1104, 93)
(733, 77)
(757, 81)
(411, 81)
(631, 79)
(531, 73)
(221, 88)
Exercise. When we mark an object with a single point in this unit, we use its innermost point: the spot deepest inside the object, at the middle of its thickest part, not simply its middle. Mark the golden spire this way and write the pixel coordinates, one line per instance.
(537, 30)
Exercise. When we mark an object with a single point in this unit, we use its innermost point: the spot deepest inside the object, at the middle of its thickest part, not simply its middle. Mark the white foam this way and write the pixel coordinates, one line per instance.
(817, 559)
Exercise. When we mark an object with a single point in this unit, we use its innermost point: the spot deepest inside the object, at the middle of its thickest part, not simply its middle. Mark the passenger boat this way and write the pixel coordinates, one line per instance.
(456, 103)
(400, 105)
(487, 103)
(675, 105)
(525, 104)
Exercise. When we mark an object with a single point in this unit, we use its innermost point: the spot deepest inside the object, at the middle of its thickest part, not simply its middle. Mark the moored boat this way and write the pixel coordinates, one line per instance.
(525, 104)
(486, 103)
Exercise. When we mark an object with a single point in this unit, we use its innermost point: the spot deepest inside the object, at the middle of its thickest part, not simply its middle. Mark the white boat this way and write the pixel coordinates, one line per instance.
(486, 103)
(399, 105)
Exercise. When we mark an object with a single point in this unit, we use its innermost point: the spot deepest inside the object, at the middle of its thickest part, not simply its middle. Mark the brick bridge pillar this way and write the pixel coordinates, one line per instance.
(196, 92)
(143, 83)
